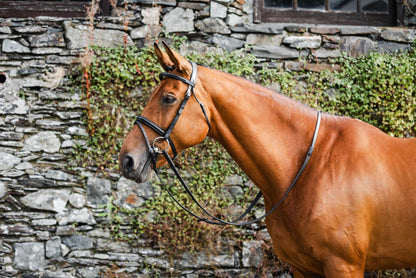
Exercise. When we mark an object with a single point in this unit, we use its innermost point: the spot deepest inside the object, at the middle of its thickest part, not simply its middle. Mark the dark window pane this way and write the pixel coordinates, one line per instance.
(374, 5)
(343, 5)
(278, 3)
(312, 4)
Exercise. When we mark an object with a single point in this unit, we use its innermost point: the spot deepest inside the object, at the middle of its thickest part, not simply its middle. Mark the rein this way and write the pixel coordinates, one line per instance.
(164, 135)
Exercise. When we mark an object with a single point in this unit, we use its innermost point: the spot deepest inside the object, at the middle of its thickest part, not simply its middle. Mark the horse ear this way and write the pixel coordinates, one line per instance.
(163, 58)
(180, 62)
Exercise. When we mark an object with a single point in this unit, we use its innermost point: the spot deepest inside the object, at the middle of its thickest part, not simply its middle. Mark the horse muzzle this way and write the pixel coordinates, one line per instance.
(136, 167)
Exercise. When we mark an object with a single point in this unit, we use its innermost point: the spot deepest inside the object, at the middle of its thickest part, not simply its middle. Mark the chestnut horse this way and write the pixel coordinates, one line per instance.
(353, 209)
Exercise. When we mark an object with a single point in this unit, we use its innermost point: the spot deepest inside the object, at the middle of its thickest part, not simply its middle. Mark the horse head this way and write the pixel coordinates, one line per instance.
(171, 121)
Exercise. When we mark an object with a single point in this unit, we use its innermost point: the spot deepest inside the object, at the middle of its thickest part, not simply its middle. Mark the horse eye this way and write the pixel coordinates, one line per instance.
(168, 99)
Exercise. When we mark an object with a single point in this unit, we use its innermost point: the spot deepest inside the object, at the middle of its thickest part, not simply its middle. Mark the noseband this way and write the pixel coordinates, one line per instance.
(164, 135)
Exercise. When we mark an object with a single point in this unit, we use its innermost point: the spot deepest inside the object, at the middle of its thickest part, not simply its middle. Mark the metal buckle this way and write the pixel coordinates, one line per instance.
(156, 149)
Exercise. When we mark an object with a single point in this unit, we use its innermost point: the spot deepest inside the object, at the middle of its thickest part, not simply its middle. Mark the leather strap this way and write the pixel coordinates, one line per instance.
(217, 221)
(158, 130)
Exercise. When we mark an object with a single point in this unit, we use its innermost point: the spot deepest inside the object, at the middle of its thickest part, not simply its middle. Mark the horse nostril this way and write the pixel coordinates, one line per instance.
(128, 163)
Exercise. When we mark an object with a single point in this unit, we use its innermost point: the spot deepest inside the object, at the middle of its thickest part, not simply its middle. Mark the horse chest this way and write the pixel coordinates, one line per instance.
(295, 245)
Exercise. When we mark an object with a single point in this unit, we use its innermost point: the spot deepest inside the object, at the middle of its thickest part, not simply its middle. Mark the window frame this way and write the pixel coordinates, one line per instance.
(267, 15)
(63, 8)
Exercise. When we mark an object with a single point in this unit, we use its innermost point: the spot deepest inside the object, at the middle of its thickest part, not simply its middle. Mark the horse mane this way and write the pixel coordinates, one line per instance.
(261, 90)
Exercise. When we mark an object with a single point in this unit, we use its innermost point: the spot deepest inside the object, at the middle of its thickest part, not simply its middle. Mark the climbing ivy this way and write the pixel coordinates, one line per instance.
(378, 88)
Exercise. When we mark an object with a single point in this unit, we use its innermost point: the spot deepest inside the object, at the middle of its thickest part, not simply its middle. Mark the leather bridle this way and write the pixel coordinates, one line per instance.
(164, 135)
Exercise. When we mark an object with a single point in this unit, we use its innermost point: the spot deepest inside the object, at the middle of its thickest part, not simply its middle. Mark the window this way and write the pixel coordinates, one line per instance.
(340, 12)
(58, 8)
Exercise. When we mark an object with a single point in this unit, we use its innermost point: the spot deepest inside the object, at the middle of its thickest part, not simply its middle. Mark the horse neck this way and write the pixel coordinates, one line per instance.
(266, 133)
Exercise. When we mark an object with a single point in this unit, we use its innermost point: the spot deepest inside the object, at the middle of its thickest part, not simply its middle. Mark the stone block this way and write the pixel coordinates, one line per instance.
(47, 199)
(324, 53)
(5, 30)
(321, 67)
(171, 23)
(56, 175)
(10, 46)
(301, 42)
(140, 32)
(12, 173)
(10, 102)
(45, 141)
(131, 194)
(227, 43)
(3, 189)
(8, 161)
(258, 28)
(253, 253)
(44, 222)
(105, 245)
(47, 50)
(218, 10)
(16, 230)
(212, 25)
(357, 46)
(192, 5)
(76, 130)
(160, 2)
(233, 180)
(392, 47)
(331, 39)
(24, 166)
(199, 47)
(329, 45)
(98, 190)
(293, 66)
(65, 230)
(10, 135)
(29, 256)
(264, 39)
(55, 59)
(80, 36)
(234, 20)
(359, 30)
(324, 30)
(235, 192)
(50, 79)
(398, 34)
(53, 248)
(37, 181)
(78, 242)
(52, 38)
(77, 200)
(275, 52)
(89, 272)
(206, 260)
(79, 216)
(295, 29)
(151, 16)
(122, 27)
(30, 29)
(226, 2)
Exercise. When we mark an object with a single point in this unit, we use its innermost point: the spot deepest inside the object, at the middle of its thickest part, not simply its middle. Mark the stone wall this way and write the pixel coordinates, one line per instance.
(50, 224)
